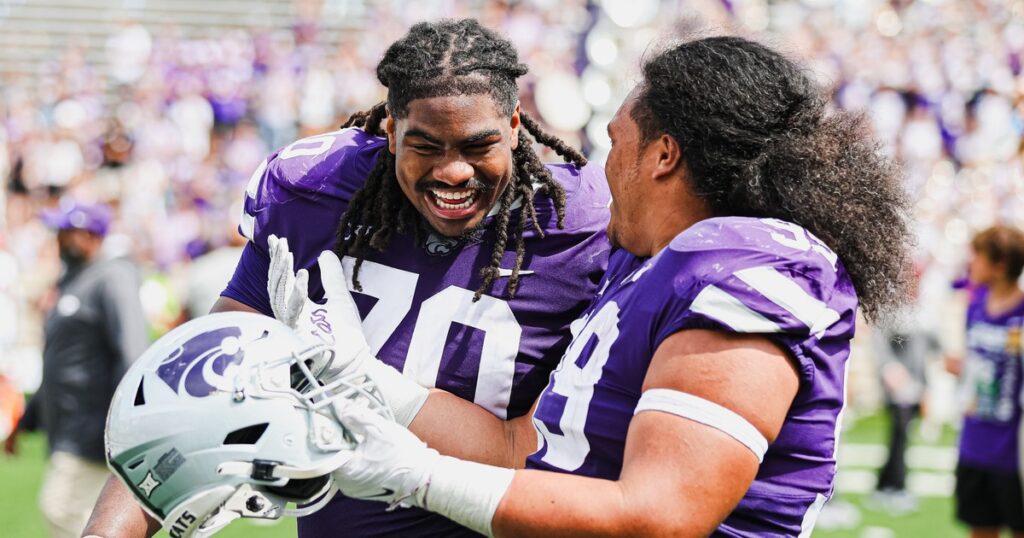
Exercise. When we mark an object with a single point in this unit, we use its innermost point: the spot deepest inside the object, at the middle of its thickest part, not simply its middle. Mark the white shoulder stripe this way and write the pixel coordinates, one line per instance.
(786, 293)
(247, 226)
(717, 304)
(705, 412)
(253, 186)
(247, 222)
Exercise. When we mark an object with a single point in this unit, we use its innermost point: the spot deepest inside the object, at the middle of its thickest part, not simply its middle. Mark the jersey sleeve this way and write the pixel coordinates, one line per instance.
(756, 276)
(248, 284)
(299, 193)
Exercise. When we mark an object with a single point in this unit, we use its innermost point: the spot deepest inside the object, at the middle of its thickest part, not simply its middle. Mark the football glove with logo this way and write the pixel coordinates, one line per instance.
(338, 324)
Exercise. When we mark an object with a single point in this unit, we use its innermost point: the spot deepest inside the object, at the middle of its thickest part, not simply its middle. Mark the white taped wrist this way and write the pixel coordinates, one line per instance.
(403, 395)
(466, 492)
(705, 412)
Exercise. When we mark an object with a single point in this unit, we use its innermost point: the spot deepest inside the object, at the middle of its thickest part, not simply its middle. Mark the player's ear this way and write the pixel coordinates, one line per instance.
(668, 155)
(515, 123)
(389, 128)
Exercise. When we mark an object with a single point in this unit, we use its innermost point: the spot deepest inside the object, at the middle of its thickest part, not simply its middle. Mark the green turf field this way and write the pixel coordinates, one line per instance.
(934, 518)
(20, 479)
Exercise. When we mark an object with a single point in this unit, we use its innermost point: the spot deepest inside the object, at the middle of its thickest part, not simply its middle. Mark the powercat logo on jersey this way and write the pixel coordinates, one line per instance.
(197, 367)
(181, 524)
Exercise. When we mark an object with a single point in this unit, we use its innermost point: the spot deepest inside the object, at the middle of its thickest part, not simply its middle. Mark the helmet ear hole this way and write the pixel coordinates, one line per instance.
(140, 396)
(248, 435)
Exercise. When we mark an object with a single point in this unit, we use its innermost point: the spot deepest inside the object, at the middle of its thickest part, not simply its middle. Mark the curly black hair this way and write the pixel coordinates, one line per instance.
(757, 140)
(449, 57)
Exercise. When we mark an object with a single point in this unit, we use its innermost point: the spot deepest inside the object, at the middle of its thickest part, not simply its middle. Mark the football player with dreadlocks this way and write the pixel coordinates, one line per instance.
(469, 256)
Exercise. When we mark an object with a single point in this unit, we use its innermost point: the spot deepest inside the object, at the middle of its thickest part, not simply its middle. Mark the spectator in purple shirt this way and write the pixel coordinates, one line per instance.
(988, 483)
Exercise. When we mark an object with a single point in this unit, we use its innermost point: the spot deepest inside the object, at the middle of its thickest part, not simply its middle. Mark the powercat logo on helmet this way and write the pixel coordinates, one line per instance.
(197, 366)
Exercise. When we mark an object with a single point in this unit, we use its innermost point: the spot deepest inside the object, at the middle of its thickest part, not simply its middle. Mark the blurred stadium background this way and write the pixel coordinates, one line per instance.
(163, 108)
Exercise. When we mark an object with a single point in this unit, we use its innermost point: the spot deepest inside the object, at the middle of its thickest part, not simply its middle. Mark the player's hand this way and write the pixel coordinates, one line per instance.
(338, 322)
(392, 465)
(389, 463)
(287, 290)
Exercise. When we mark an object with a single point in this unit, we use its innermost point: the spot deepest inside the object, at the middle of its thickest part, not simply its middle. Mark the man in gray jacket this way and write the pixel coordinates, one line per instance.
(93, 332)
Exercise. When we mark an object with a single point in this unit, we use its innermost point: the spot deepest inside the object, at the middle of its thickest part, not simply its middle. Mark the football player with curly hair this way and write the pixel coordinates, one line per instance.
(703, 390)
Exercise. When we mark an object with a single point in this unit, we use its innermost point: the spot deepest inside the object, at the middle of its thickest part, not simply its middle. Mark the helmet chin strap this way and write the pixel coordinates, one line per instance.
(281, 471)
(332, 490)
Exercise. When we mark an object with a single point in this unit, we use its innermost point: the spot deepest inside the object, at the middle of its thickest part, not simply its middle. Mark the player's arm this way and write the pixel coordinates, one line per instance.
(227, 304)
(680, 477)
(683, 471)
(116, 512)
(480, 436)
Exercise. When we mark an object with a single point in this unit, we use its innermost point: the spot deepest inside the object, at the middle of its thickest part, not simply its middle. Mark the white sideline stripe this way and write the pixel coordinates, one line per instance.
(717, 304)
(705, 412)
(782, 291)
(920, 483)
(872, 456)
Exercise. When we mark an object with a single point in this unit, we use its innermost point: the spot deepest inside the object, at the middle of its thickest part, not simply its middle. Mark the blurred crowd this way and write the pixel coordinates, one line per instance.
(169, 128)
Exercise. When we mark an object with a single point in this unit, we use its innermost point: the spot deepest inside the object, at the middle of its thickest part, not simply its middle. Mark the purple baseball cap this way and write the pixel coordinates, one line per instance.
(93, 218)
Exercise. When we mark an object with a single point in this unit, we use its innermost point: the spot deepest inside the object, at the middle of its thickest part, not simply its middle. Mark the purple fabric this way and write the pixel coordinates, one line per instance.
(301, 196)
(992, 372)
(93, 218)
(587, 410)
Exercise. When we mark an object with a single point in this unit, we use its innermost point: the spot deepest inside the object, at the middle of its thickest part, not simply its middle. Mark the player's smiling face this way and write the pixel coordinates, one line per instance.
(453, 158)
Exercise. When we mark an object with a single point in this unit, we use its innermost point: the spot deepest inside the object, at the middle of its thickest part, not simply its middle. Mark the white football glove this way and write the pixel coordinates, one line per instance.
(287, 290)
(337, 323)
(391, 464)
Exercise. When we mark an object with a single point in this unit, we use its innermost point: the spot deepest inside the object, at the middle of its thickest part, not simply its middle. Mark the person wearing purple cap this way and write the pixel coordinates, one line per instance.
(91, 335)
(80, 230)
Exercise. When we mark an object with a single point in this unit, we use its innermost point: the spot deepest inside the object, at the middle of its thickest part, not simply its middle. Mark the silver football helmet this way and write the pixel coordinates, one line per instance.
(224, 417)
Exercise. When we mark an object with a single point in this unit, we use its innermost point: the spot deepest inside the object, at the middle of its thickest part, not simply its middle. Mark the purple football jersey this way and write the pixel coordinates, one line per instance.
(992, 373)
(732, 274)
(416, 303)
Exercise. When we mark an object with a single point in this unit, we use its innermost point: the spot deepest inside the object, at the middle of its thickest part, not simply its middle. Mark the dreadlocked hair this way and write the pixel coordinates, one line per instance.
(446, 58)
(758, 141)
